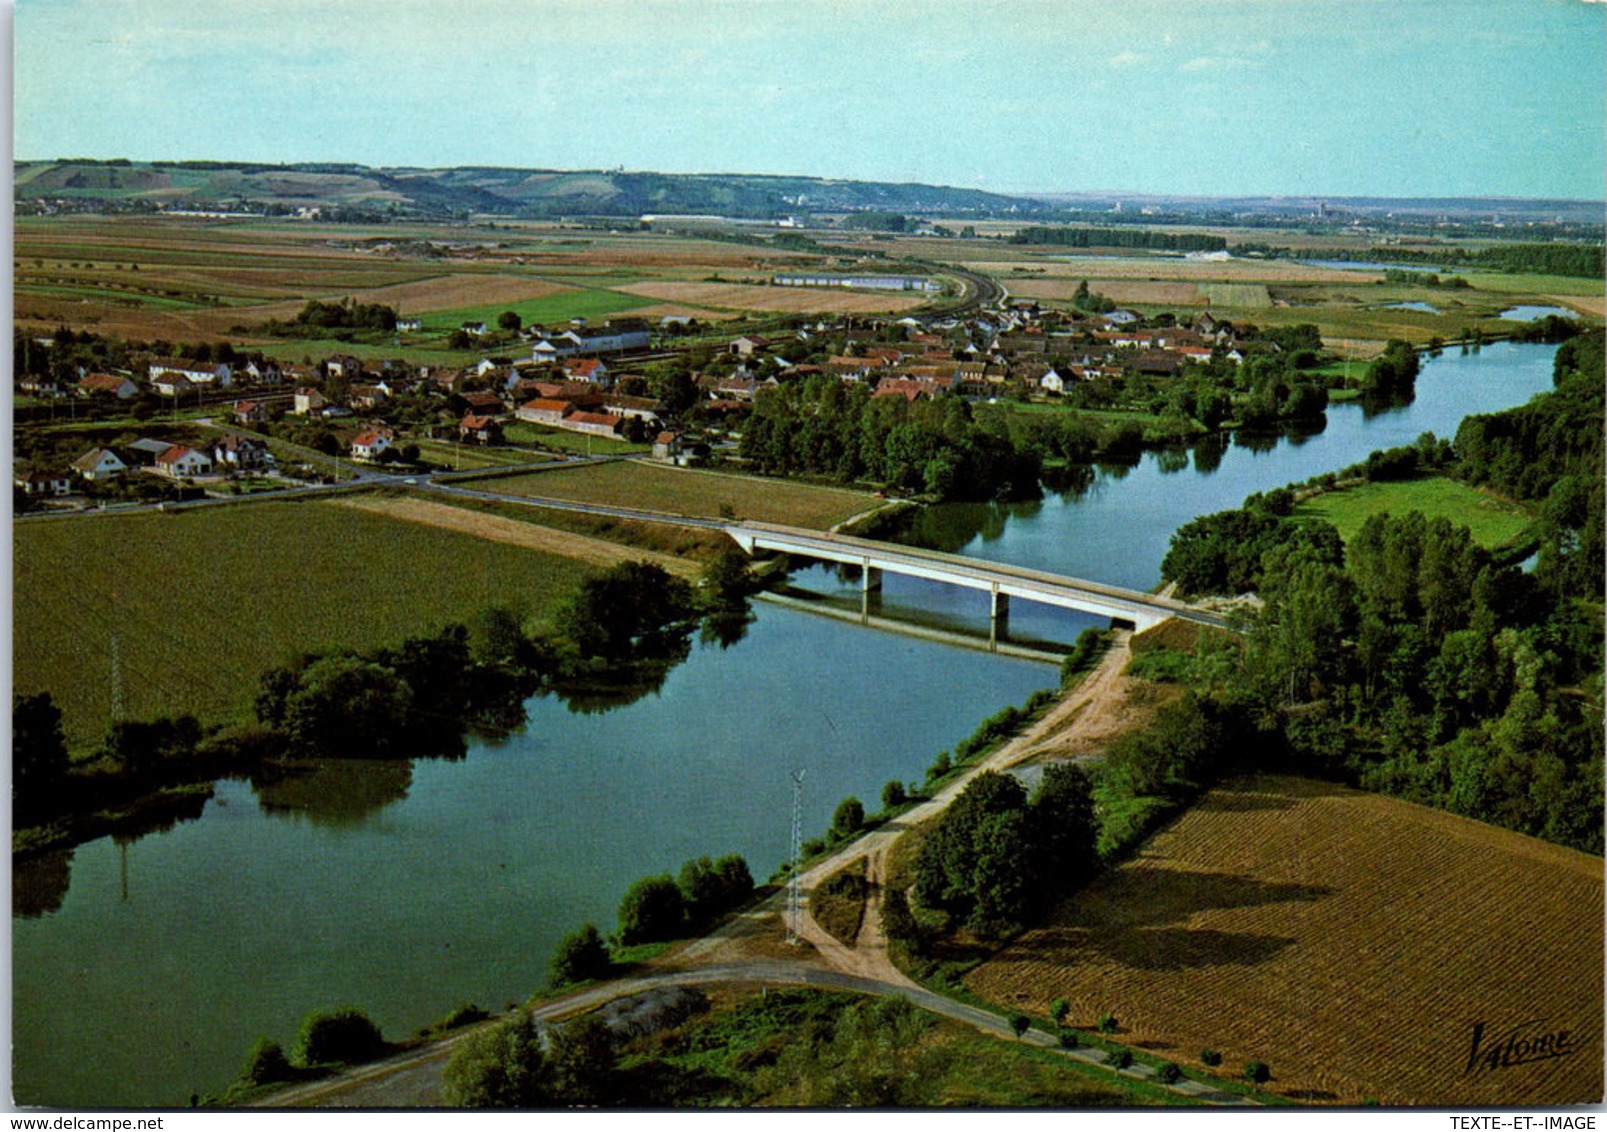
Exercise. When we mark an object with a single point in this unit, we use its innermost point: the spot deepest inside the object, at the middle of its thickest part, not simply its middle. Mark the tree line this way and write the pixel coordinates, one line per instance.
(1120, 238)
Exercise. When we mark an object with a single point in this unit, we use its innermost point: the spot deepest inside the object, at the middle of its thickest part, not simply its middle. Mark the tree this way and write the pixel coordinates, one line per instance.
(1058, 1011)
(38, 751)
(893, 795)
(510, 320)
(652, 909)
(582, 1058)
(266, 1064)
(346, 705)
(345, 1036)
(500, 1067)
(581, 955)
(633, 608)
(1019, 1025)
(848, 817)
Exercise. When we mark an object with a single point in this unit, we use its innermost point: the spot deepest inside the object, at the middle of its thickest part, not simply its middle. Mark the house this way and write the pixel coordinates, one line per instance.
(410, 324)
(250, 412)
(308, 400)
(590, 370)
(171, 384)
(476, 328)
(666, 446)
(596, 424)
(197, 373)
(44, 483)
(645, 408)
(107, 384)
(746, 347)
(264, 373)
(1052, 381)
(243, 453)
(99, 464)
(370, 445)
(368, 396)
(904, 387)
(545, 410)
(182, 463)
(476, 429)
(481, 403)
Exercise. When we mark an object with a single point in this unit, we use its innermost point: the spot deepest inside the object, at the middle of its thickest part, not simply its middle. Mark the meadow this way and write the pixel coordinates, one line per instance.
(684, 491)
(1493, 522)
(200, 603)
(1349, 940)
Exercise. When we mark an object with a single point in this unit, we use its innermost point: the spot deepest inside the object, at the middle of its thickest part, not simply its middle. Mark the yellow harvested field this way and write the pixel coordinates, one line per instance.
(1362, 947)
(593, 551)
(1117, 290)
(739, 296)
(1590, 304)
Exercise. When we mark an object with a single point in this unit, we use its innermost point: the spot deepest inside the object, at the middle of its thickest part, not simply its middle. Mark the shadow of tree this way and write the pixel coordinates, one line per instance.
(1142, 894)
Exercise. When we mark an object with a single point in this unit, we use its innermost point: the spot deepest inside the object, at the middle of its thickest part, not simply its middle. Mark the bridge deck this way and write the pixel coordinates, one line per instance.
(999, 578)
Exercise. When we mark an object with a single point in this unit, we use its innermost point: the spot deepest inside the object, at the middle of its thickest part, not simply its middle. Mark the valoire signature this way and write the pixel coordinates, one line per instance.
(1517, 1045)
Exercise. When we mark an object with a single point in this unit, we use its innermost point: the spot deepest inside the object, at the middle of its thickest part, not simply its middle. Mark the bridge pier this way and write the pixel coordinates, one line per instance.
(998, 618)
(870, 577)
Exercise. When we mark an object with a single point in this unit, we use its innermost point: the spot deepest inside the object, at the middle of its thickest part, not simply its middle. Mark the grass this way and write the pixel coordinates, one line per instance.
(688, 492)
(728, 1056)
(1349, 940)
(201, 603)
(592, 302)
(1492, 521)
(562, 440)
(469, 456)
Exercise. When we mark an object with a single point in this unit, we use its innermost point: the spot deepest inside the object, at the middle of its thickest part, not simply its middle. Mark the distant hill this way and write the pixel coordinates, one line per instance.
(227, 186)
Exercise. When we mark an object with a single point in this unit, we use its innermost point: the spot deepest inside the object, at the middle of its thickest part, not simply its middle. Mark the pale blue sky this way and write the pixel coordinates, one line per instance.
(1288, 97)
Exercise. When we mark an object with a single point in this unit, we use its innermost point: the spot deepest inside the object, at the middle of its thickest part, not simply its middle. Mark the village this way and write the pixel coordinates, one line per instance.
(676, 391)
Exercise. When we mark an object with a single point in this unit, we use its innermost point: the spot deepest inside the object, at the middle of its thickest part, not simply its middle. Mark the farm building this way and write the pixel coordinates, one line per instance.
(866, 282)
(107, 384)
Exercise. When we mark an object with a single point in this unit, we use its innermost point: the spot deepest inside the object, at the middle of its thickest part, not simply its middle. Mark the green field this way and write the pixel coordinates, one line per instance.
(593, 302)
(1491, 521)
(687, 492)
(563, 440)
(1247, 296)
(446, 454)
(202, 602)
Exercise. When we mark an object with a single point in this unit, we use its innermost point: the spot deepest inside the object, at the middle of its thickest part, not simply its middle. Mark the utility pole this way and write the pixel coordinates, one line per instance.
(794, 889)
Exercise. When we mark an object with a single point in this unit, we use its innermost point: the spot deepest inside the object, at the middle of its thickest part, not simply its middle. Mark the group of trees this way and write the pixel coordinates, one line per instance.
(1120, 238)
(995, 858)
(1580, 260)
(663, 907)
(1414, 661)
(821, 427)
(1394, 372)
(514, 1065)
(316, 318)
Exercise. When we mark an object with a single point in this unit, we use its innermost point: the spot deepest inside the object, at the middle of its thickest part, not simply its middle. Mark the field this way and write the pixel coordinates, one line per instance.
(762, 297)
(1351, 941)
(682, 491)
(1492, 521)
(201, 602)
(188, 280)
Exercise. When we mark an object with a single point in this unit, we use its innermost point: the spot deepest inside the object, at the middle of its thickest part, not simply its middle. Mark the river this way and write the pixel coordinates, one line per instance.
(143, 971)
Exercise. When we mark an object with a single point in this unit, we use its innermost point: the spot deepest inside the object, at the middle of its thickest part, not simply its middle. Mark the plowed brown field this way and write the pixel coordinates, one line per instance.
(1351, 941)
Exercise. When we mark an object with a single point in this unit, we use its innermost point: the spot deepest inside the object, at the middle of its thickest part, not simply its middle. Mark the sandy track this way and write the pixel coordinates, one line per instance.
(494, 528)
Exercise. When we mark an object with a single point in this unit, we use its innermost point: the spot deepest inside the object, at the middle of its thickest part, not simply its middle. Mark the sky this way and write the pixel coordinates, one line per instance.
(1190, 97)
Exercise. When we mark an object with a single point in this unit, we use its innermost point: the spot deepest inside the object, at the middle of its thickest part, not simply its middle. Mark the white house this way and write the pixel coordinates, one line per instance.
(182, 463)
(99, 464)
(370, 445)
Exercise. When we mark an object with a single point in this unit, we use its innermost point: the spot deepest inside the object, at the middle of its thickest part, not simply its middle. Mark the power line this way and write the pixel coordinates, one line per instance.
(793, 886)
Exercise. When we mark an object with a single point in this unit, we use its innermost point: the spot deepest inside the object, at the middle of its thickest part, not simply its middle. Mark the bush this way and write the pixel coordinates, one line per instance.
(1257, 1072)
(338, 1037)
(893, 795)
(265, 1064)
(848, 818)
(1168, 1073)
(652, 910)
(1107, 1023)
(581, 955)
(1119, 1058)
(940, 766)
(1068, 1040)
(1020, 1024)
(1058, 1011)
(465, 1015)
(1210, 1057)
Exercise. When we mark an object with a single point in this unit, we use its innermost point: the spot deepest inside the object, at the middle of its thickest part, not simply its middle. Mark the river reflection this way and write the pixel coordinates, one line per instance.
(337, 793)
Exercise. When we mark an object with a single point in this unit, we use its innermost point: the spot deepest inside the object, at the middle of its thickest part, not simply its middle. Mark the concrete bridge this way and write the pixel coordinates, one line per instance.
(999, 581)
